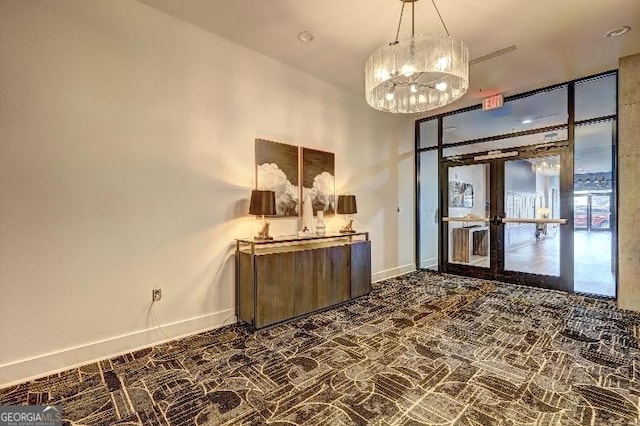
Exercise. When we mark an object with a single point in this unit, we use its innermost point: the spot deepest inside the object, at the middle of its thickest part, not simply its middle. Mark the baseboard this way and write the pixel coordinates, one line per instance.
(393, 272)
(28, 369)
(431, 263)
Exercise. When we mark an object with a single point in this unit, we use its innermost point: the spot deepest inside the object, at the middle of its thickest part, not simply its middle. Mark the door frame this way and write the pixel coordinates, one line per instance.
(496, 195)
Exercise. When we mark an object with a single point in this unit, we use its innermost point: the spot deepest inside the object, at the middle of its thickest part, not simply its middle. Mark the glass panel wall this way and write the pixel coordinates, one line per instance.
(428, 134)
(544, 109)
(594, 263)
(534, 139)
(429, 215)
(468, 193)
(596, 98)
(532, 191)
(594, 198)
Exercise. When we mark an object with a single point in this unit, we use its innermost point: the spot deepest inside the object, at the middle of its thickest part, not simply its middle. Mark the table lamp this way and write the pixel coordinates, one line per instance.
(263, 203)
(347, 206)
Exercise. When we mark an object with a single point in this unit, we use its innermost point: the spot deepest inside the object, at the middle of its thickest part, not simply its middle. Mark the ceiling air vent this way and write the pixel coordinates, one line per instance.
(492, 55)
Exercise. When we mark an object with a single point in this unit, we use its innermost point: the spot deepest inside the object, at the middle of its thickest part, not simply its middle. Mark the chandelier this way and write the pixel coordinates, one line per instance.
(546, 166)
(418, 73)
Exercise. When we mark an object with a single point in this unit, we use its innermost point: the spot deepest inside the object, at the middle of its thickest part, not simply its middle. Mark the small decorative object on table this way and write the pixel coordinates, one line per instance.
(307, 218)
(347, 206)
(263, 203)
(321, 228)
(541, 228)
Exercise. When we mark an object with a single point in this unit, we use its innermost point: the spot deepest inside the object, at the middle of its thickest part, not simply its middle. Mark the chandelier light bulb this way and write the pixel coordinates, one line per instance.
(389, 96)
(408, 70)
(443, 63)
(442, 86)
(413, 88)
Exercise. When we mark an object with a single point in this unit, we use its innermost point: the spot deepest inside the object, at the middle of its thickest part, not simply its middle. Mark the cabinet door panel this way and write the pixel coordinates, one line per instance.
(245, 291)
(309, 276)
(275, 288)
(337, 264)
(360, 268)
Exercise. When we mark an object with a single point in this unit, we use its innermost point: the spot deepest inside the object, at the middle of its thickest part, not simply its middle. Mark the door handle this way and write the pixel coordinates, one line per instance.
(537, 221)
(497, 219)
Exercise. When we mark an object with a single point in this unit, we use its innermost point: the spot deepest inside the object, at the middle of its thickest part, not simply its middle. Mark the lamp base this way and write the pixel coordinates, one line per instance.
(263, 238)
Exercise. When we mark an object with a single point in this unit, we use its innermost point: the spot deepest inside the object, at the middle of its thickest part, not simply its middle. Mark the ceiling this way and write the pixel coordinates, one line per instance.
(556, 41)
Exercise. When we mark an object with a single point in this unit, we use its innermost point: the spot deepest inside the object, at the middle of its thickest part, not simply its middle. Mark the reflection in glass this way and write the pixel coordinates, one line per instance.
(580, 211)
(534, 139)
(429, 220)
(468, 197)
(429, 133)
(543, 109)
(600, 212)
(532, 191)
(596, 98)
(594, 263)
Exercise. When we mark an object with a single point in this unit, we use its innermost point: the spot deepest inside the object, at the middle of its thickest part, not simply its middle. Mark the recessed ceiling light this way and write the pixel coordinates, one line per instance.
(305, 36)
(617, 32)
(527, 121)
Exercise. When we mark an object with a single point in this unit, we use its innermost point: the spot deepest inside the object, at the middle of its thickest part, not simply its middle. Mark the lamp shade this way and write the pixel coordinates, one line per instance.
(347, 204)
(263, 203)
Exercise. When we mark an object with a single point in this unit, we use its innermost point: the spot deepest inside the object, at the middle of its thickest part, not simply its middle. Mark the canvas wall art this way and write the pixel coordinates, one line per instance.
(460, 194)
(277, 170)
(318, 180)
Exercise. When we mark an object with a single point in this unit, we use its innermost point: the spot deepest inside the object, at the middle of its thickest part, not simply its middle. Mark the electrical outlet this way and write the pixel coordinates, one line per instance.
(156, 294)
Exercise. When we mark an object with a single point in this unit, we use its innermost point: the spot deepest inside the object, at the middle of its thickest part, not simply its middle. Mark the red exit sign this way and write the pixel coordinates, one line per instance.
(492, 102)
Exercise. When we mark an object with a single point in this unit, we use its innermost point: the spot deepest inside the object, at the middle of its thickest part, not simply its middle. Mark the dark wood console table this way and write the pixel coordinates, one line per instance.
(291, 276)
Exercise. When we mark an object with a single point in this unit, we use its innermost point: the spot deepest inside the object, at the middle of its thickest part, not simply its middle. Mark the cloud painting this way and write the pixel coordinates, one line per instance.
(277, 170)
(318, 179)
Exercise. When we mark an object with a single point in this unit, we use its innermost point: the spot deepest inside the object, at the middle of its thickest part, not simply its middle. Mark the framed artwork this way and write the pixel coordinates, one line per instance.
(277, 170)
(318, 180)
(460, 194)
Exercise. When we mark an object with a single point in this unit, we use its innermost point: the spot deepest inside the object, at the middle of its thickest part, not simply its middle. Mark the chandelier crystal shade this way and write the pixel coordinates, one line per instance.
(418, 73)
(547, 167)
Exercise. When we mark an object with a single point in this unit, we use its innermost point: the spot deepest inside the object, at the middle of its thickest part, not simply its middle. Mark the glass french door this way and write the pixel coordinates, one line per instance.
(504, 217)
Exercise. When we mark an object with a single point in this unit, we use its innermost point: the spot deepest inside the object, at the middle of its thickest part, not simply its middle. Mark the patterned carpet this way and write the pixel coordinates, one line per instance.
(421, 349)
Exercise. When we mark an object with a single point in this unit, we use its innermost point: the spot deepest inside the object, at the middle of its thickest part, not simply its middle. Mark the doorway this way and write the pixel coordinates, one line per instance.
(502, 237)
(503, 216)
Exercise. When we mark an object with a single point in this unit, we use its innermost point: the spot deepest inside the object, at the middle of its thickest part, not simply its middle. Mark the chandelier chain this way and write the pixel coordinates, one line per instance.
(440, 16)
(399, 23)
(413, 19)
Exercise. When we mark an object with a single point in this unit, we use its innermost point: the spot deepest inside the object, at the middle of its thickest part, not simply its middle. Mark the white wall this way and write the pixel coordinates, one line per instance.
(127, 159)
